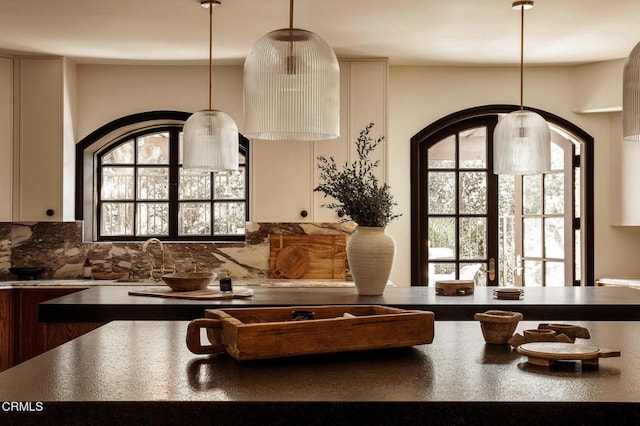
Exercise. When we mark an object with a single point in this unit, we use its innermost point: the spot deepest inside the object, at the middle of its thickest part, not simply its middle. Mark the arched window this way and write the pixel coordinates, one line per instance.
(468, 223)
(133, 186)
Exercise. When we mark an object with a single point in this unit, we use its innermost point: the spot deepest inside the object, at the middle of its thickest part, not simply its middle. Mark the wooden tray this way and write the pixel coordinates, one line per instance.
(260, 333)
(206, 294)
(546, 353)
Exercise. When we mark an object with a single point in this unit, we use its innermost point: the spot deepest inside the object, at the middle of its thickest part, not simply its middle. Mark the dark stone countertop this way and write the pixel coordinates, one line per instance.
(106, 303)
(142, 371)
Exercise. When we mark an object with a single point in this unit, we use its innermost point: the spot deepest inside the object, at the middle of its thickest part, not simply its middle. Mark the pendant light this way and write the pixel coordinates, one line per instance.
(522, 139)
(291, 87)
(631, 96)
(210, 137)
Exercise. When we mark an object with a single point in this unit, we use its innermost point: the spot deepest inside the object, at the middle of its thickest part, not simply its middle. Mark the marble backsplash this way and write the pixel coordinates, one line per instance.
(60, 249)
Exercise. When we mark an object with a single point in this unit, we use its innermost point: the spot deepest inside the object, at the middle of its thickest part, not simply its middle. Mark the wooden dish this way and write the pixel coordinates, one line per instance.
(291, 262)
(546, 353)
(260, 333)
(508, 293)
(454, 287)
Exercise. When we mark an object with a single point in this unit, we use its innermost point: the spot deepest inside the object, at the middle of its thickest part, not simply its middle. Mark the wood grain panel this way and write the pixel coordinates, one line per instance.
(6, 329)
(326, 253)
(58, 333)
(31, 334)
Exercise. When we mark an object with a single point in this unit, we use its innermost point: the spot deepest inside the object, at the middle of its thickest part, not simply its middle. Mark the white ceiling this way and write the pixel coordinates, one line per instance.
(435, 32)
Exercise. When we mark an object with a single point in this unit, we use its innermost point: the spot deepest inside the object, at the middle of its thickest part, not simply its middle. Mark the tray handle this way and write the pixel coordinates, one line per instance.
(193, 336)
(609, 353)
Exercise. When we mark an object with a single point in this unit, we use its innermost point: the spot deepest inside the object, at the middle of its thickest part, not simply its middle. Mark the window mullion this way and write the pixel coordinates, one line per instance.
(212, 203)
(135, 187)
(174, 182)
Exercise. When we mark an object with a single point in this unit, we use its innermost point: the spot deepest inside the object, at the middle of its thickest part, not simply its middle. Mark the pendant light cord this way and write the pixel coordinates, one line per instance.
(522, 58)
(210, 54)
(290, 60)
(290, 14)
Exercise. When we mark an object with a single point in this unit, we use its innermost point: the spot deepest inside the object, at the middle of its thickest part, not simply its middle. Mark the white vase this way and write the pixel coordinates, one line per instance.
(370, 252)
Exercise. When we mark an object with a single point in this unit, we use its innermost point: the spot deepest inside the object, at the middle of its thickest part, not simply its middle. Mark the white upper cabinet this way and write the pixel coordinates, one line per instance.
(37, 189)
(281, 176)
(284, 174)
(6, 139)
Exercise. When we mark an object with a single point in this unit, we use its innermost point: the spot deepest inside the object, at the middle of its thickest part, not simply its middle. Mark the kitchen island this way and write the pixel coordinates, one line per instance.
(142, 371)
(109, 303)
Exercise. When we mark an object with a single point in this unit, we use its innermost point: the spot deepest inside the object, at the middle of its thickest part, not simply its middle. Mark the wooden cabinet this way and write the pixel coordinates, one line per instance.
(31, 333)
(58, 333)
(7, 326)
(285, 173)
(34, 337)
(22, 336)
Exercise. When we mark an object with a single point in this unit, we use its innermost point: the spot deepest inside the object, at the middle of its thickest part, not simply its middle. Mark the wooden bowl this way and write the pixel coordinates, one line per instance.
(498, 326)
(188, 281)
(535, 335)
(571, 331)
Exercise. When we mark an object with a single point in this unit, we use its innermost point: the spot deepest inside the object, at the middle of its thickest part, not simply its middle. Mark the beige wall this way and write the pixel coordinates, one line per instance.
(420, 95)
(417, 97)
(598, 86)
(107, 92)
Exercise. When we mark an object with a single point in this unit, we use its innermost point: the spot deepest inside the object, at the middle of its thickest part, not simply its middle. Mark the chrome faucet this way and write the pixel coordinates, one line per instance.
(145, 246)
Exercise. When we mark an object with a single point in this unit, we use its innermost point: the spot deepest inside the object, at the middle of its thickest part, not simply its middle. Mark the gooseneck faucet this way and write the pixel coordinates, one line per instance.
(145, 246)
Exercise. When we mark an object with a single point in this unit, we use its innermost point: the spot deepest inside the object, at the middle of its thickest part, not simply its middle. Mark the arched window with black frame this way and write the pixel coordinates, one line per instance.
(140, 189)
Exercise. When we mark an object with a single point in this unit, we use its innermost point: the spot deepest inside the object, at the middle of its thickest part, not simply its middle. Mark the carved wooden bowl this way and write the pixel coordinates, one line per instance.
(498, 326)
(188, 281)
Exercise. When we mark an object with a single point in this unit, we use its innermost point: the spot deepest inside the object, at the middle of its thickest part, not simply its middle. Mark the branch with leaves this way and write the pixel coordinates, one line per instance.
(356, 189)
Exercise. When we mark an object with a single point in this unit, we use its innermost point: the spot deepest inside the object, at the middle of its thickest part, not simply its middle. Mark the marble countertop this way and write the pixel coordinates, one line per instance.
(631, 282)
(64, 283)
(142, 369)
(249, 282)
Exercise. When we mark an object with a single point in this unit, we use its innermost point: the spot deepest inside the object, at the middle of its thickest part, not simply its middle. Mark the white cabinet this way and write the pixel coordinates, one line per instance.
(37, 189)
(283, 174)
(6, 138)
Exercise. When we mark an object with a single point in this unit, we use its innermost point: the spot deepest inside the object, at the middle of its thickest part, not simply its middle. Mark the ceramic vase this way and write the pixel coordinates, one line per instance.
(371, 253)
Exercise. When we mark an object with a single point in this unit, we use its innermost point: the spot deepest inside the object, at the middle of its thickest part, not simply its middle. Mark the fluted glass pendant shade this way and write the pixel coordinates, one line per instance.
(210, 141)
(631, 96)
(291, 88)
(210, 137)
(522, 139)
(521, 144)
